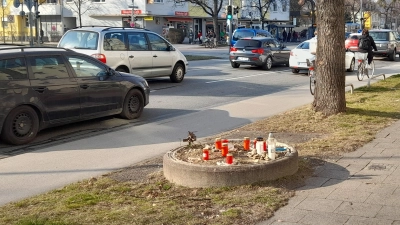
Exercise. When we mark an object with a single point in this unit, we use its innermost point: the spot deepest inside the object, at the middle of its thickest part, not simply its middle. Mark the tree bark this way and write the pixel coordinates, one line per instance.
(329, 95)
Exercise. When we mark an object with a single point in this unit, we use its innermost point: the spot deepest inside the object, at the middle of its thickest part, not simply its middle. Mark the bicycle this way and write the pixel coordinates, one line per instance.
(362, 66)
(209, 43)
(311, 74)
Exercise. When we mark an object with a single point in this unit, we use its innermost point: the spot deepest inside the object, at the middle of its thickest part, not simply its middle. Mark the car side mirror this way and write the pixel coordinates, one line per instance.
(170, 48)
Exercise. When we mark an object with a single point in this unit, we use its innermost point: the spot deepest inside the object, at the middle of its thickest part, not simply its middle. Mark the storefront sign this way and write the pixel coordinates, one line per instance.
(148, 18)
(177, 13)
(129, 11)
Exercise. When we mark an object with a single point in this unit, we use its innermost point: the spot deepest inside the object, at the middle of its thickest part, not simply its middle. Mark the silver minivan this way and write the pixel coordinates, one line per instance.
(131, 50)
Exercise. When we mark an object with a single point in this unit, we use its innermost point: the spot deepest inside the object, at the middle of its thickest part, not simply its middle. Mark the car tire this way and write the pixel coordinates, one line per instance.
(392, 56)
(268, 63)
(133, 105)
(235, 65)
(295, 70)
(120, 69)
(21, 126)
(178, 73)
(352, 65)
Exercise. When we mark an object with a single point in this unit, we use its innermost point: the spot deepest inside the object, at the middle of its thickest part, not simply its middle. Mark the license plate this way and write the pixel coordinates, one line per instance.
(243, 59)
(303, 64)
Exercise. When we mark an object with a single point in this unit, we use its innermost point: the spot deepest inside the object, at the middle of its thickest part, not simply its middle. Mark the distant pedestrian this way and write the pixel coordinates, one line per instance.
(41, 36)
(284, 36)
(289, 36)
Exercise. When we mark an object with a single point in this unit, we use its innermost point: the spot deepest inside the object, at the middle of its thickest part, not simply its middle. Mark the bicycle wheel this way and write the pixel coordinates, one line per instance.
(360, 71)
(312, 82)
(371, 69)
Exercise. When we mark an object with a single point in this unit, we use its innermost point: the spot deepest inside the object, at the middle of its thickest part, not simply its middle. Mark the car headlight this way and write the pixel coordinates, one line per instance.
(144, 82)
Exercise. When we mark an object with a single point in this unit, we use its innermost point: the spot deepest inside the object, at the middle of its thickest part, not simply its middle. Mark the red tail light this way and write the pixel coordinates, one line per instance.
(259, 51)
(311, 68)
(233, 49)
(100, 57)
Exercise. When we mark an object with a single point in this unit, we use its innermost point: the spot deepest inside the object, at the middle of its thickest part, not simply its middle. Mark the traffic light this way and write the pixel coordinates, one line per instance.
(37, 16)
(229, 14)
(235, 10)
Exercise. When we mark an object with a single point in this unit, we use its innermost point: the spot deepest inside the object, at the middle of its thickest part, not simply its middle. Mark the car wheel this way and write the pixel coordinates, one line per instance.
(268, 64)
(133, 105)
(177, 74)
(21, 126)
(392, 57)
(235, 65)
(120, 69)
(295, 70)
(352, 64)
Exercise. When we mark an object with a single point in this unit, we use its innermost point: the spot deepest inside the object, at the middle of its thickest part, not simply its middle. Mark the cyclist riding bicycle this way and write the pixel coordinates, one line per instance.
(366, 44)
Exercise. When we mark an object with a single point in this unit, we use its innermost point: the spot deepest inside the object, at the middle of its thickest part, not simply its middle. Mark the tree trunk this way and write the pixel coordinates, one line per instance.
(330, 87)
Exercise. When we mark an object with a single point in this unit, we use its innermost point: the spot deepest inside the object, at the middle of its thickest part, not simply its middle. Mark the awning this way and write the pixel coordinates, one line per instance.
(179, 19)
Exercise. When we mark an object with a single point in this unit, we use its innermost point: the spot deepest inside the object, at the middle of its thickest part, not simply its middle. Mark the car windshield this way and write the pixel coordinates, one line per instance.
(248, 44)
(242, 34)
(80, 40)
(379, 36)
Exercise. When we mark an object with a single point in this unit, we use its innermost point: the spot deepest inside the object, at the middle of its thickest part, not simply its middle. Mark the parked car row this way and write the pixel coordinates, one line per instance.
(89, 75)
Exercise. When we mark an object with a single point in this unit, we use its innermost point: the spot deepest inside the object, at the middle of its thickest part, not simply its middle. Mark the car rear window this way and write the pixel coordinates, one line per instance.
(77, 39)
(304, 45)
(13, 69)
(379, 36)
(354, 37)
(248, 44)
(242, 34)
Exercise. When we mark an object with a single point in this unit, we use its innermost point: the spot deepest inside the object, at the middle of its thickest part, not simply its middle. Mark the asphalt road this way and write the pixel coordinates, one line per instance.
(213, 98)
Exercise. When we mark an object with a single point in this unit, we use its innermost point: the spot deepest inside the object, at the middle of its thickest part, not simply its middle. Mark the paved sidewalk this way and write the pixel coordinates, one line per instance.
(362, 187)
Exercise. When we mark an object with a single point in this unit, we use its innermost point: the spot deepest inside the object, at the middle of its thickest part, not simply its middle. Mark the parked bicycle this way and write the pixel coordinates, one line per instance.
(363, 68)
(311, 74)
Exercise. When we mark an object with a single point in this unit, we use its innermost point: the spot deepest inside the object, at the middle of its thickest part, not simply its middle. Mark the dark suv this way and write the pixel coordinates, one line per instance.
(44, 87)
(387, 42)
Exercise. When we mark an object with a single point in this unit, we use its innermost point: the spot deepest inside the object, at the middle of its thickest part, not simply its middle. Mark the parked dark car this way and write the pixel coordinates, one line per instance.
(45, 87)
(258, 51)
(387, 42)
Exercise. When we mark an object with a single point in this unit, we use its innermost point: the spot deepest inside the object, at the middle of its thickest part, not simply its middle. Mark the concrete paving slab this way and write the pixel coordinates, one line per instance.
(290, 215)
(357, 220)
(294, 201)
(358, 209)
(349, 195)
(316, 192)
(348, 184)
(389, 212)
(316, 181)
(336, 174)
(324, 218)
(319, 204)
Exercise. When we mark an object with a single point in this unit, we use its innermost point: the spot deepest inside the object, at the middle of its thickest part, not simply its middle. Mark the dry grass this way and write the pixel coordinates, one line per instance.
(154, 200)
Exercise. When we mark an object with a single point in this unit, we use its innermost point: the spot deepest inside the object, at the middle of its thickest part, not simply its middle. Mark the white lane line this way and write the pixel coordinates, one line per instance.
(237, 78)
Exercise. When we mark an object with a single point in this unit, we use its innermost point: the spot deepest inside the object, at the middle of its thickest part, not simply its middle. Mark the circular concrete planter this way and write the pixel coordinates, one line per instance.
(195, 175)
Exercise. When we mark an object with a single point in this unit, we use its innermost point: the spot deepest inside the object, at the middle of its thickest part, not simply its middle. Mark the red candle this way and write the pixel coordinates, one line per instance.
(224, 149)
(229, 158)
(246, 143)
(218, 143)
(265, 145)
(206, 154)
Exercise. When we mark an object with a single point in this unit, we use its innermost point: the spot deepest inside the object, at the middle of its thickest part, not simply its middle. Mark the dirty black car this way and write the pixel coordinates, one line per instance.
(259, 51)
(46, 87)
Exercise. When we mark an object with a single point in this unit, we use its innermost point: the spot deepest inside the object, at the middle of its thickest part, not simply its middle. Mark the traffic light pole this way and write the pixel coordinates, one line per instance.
(229, 21)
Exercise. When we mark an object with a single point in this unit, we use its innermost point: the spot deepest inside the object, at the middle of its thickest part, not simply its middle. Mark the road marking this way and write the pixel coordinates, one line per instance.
(236, 78)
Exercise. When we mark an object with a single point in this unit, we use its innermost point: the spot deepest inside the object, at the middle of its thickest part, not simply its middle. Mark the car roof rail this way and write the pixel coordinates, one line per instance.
(123, 28)
(31, 47)
(90, 26)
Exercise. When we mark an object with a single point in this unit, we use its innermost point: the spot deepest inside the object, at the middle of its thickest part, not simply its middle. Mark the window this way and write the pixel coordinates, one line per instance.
(269, 44)
(51, 1)
(137, 42)
(48, 67)
(157, 43)
(80, 40)
(13, 69)
(158, 1)
(70, 1)
(247, 43)
(98, 0)
(274, 7)
(114, 41)
(284, 6)
(84, 67)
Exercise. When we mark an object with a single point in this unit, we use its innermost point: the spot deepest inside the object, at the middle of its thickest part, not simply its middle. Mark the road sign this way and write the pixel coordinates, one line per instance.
(10, 18)
(367, 17)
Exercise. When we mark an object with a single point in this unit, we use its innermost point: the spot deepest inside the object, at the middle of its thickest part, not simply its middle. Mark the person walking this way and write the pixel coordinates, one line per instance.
(289, 37)
(41, 36)
(199, 35)
(366, 44)
(284, 36)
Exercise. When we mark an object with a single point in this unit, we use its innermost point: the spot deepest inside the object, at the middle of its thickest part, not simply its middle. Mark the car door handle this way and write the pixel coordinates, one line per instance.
(131, 56)
(155, 56)
(40, 89)
(84, 86)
